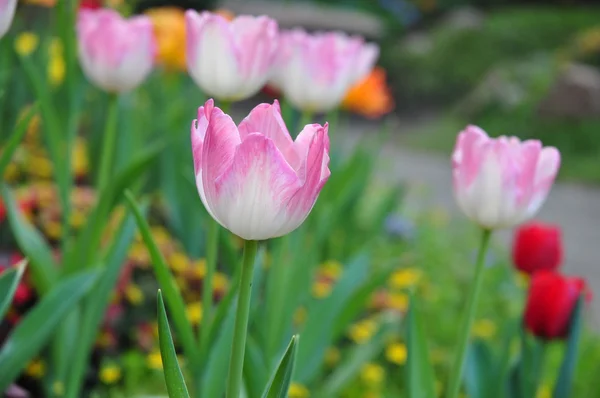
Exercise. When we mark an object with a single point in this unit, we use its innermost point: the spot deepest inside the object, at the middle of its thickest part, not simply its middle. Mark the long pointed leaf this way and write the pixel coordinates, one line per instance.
(173, 376)
(421, 383)
(280, 381)
(15, 139)
(33, 332)
(567, 368)
(9, 281)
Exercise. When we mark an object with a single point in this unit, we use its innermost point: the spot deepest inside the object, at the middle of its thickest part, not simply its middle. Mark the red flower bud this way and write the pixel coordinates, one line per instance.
(537, 246)
(90, 4)
(550, 304)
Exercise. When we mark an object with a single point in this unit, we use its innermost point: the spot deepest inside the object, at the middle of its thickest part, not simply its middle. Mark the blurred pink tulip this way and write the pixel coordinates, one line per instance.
(314, 72)
(254, 179)
(230, 60)
(501, 182)
(7, 13)
(116, 54)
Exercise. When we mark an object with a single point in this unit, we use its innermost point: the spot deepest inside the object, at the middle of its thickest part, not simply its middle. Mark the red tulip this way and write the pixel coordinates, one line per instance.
(550, 304)
(537, 246)
(90, 4)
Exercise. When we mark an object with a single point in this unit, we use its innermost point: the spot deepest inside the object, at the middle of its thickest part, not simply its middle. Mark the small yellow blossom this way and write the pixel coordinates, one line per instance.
(154, 360)
(56, 69)
(40, 167)
(194, 313)
(405, 278)
(332, 356)
(11, 172)
(545, 391)
(398, 301)
(77, 218)
(53, 229)
(58, 388)
(484, 329)
(396, 353)
(321, 289)
(26, 43)
(362, 331)
(300, 316)
(331, 269)
(372, 374)
(199, 268)
(161, 235)
(298, 391)
(79, 158)
(220, 282)
(139, 253)
(36, 368)
(134, 294)
(178, 262)
(110, 374)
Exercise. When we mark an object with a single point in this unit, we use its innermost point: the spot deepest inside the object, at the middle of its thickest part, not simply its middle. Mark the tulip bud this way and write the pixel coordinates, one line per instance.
(537, 246)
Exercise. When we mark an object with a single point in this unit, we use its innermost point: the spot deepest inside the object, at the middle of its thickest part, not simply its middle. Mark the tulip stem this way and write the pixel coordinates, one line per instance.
(108, 141)
(236, 364)
(469, 316)
(212, 250)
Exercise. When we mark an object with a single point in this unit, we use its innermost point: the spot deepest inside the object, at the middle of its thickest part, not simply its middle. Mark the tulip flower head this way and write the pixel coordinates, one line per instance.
(7, 13)
(501, 182)
(253, 178)
(314, 72)
(116, 54)
(537, 246)
(550, 304)
(230, 60)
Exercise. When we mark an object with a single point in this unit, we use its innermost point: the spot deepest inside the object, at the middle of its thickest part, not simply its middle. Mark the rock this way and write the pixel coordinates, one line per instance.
(576, 93)
(464, 18)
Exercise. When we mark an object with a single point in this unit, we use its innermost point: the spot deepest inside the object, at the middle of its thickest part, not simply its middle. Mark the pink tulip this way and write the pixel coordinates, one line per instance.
(230, 60)
(501, 182)
(7, 13)
(254, 179)
(116, 54)
(314, 72)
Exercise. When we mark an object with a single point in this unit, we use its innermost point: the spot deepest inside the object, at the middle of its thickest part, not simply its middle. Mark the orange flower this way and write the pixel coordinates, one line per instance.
(370, 97)
(228, 15)
(169, 30)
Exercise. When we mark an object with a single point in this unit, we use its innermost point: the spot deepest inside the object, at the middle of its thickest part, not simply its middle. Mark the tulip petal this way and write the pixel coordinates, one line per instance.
(199, 127)
(251, 195)
(256, 39)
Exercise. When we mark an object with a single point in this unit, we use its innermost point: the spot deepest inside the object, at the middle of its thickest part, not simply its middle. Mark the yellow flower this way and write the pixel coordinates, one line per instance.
(40, 167)
(53, 229)
(362, 331)
(154, 360)
(78, 218)
(178, 262)
(298, 391)
(220, 282)
(484, 329)
(58, 388)
(194, 313)
(56, 47)
(321, 289)
(139, 253)
(300, 316)
(110, 374)
(404, 278)
(544, 391)
(26, 43)
(161, 235)
(169, 31)
(36, 368)
(332, 356)
(331, 269)
(372, 374)
(79, 158)
(11, 172)
(396, 353)
(398, 301)
(134, 294)
(56, 69)
(199, 268)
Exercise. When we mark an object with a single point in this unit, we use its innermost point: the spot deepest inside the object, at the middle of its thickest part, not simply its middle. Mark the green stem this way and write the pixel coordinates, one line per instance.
(469, 316)
(207, 291)
(108, 146)
(234, 382)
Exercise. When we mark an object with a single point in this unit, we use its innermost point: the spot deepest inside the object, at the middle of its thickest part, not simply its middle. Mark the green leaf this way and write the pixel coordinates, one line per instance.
(419, 373)
(15, 139)
(32, 244)
(33, 332)
(9, 280)
(282, 377)
(215, 371)
(562, 389)
(167, 284)
(256, 370)
(96, 303)
(479, 370)
(173, 376)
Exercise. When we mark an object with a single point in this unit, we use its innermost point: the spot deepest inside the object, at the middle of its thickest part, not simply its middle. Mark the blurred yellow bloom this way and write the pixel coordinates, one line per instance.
(332, 356)
(331, 269)
(199, 268)
(362, 331)
(110, 374)
(398, 301)
(405, 278)
(372, 374)
(160, 235)
(26, 43)
(588, 42)
(77, 218)
(169, 31)
(321, 288)
(194, 313)
(36, 368)
(56, 69)
(178, 262)
(154, 360)
(53, 229)
(139, 253)
(79, 158)
(11, 172)
(58, 388)
(484, 329)
(300, 316)
(40, 167)
(396, 353)
(298, 391)
(544, 391)
(220, 282)
(370, 97)
(134, 294)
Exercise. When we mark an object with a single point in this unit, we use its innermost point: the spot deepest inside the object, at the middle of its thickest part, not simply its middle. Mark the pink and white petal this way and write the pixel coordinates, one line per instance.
(251, 195)
(302, 145)
(467, 155)
(266, 119)
(256, 39)
(198, 132)
(546, 171)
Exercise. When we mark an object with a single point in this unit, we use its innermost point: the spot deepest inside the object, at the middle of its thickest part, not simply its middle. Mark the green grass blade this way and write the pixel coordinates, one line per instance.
(419, 373)
(15, 139)
(9, 281)
(564, 382)
(282, 377)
